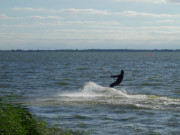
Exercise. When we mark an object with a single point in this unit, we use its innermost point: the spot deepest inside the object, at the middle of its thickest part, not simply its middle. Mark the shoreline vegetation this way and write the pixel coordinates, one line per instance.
(15, 119)
(95, 50)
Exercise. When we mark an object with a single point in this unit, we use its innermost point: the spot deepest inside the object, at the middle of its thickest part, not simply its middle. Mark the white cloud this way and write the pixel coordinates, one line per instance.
(45, 17)
(85, 11)
(5, 17)
(29, 9)
(125, 13)
(61, 23)
(143, 1)
(96, 36)
(173, 1)
(134, 13)
(69, 10)
(165, 21)
(117, 35)
(151, 1)
(96, 12)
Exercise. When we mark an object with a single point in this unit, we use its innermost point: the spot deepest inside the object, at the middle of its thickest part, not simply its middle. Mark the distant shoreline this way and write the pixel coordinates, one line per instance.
(95, 50)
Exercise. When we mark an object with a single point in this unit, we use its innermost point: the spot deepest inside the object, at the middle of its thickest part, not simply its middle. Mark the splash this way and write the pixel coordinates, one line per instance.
(94, 94)
(95, 90)
(92, 90)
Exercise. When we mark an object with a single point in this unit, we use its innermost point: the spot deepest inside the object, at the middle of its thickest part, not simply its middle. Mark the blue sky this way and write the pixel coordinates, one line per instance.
(89, 24)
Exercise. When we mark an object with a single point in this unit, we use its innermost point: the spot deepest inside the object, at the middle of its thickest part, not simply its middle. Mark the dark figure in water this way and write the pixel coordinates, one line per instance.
(119, 79)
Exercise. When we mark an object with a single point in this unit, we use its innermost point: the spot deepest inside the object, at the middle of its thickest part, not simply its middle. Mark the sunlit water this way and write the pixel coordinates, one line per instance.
(70, 89)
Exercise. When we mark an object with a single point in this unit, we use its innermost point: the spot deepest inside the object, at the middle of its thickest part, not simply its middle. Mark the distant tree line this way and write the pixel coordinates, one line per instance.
(95, 50)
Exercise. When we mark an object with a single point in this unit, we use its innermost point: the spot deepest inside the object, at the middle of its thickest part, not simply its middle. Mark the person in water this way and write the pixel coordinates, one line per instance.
(119, 79)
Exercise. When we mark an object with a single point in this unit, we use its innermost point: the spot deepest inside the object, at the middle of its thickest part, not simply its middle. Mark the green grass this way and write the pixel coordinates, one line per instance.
(15, 119)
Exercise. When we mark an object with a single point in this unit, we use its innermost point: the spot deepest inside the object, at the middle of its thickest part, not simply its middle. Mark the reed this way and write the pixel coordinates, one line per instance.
(15, 119)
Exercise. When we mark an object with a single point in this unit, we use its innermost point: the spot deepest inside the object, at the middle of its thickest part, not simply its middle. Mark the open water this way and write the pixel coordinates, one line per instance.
(70, 89)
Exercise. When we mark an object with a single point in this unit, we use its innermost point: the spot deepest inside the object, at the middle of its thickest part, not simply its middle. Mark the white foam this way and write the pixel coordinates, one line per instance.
(93, 93)
(92, 88)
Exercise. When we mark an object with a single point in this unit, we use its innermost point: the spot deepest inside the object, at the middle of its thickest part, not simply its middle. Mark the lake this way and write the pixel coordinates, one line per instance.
(71, 89)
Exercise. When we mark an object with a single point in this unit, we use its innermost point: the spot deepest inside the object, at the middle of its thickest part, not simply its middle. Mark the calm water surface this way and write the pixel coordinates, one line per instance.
(70, 89)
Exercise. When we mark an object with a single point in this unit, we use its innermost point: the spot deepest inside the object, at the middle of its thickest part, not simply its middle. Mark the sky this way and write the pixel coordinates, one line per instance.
(89, 24)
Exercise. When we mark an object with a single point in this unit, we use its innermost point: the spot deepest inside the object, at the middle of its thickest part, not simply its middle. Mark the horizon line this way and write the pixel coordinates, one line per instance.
(81, 50)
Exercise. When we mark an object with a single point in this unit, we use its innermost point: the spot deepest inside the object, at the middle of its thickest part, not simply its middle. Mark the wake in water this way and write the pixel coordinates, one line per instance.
(92, 90)
(96, 94)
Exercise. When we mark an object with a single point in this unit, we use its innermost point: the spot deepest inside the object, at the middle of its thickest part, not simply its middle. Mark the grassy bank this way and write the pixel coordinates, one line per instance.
(15, 119)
